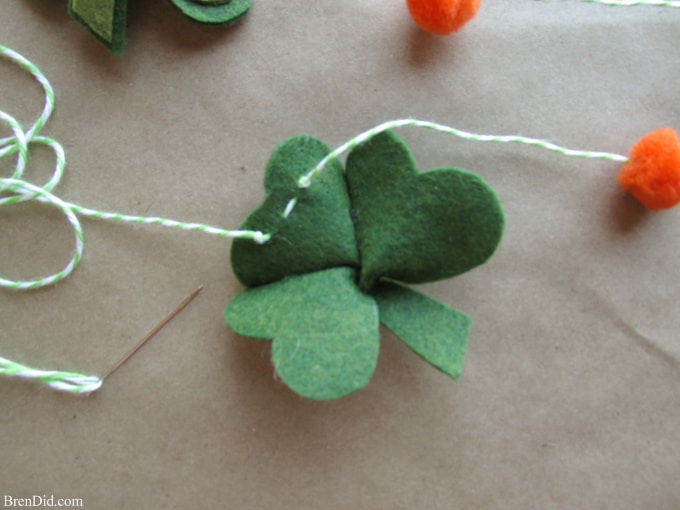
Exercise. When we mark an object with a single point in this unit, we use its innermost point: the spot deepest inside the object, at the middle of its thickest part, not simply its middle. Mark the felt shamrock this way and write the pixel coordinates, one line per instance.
(336, 266)
(106, 19)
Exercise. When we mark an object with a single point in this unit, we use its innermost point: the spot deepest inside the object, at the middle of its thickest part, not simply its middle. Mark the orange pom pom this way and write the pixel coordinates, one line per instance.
(442, 17)
(652, 175)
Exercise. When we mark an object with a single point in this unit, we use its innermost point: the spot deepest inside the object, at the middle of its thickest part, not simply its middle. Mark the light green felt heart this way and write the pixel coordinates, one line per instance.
(213, 11)
(434, 331)
(105, 19)
(324, 330)
(317, 235)
(418, 227)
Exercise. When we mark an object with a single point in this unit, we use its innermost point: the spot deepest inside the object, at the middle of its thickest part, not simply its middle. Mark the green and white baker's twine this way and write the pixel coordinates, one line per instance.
(306, 179)
(14, 189)
(629, 3)
(62, 381)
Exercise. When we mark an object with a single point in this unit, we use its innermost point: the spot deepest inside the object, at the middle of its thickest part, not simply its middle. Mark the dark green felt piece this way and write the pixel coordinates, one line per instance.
(418, 227)
(105, 19)
(212, 2)
(434, 331)
(213, 11)
(318, 234)
(324, 330)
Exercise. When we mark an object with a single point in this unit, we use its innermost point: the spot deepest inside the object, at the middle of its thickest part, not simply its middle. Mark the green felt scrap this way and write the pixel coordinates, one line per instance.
(213, 11)
(418, 227)
(318, 234)
(105, 19)
(324, 330)
(434, 331)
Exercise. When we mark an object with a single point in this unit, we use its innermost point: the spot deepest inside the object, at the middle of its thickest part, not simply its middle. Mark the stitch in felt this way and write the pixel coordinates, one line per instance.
(318, 234)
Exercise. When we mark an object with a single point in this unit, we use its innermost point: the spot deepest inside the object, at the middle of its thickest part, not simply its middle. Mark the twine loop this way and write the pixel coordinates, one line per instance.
(15, 189)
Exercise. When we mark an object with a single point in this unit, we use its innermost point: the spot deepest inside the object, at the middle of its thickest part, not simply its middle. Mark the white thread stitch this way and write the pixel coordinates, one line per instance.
(289, 207)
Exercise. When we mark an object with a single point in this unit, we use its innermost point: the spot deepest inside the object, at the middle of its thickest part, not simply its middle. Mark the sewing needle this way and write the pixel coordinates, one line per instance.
(151, 333)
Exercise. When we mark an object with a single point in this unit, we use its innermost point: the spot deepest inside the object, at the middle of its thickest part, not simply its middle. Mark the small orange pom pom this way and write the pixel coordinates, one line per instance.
(442, 17)
(652, 175)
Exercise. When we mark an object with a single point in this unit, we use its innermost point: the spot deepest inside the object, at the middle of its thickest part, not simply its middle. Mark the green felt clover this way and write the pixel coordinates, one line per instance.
(106, 19)
(337, 261)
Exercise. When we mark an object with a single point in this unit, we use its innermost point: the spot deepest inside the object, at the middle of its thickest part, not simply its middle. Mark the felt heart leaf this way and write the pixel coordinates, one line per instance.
(434, 331)
(324, 330)
(213, 11)
(418, 227)
(317, 235)
(105, 19)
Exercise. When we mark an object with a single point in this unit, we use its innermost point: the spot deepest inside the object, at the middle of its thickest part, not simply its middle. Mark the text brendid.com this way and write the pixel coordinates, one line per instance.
(43, 501)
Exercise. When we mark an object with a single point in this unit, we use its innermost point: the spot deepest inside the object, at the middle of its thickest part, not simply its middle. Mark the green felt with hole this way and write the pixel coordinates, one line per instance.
(339, 261)
(213, 11)
(414, 226)
(318, 234)
(324, 330)
(105, 19)
(434, 331)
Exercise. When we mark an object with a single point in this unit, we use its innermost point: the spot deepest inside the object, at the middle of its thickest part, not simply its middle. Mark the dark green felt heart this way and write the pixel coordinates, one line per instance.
(318, 234)
(418, 227)
(324, 330)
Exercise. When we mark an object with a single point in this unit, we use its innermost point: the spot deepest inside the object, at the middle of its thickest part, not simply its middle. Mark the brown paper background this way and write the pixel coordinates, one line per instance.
(570, 397)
